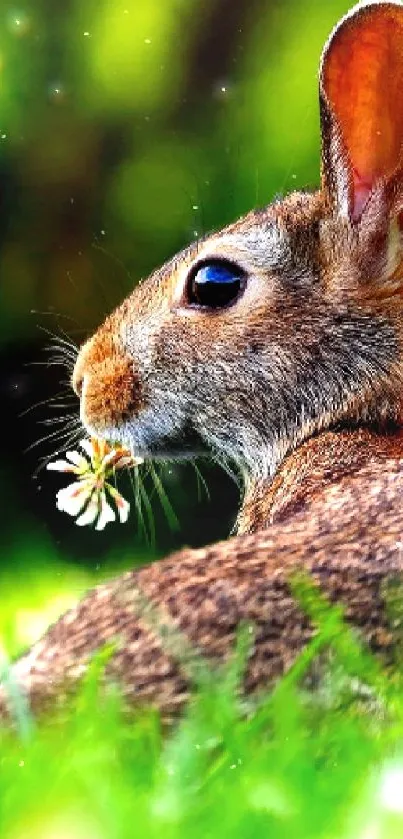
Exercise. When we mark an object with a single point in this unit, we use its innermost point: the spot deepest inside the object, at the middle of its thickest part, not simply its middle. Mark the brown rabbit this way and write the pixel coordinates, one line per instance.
(277, 344)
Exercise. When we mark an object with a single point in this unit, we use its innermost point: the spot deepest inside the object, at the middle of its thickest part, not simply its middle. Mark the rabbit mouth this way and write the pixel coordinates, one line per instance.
(184, 446)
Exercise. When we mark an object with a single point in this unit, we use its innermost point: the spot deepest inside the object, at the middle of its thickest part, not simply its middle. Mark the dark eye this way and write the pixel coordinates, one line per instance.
(215, 284)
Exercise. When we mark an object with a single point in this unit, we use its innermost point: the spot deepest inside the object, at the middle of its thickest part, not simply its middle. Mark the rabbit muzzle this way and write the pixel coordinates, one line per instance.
(108, 385)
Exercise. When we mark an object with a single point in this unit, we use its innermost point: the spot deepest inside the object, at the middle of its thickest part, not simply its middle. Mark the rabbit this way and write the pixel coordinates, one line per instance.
(276, 344)
(287, 322)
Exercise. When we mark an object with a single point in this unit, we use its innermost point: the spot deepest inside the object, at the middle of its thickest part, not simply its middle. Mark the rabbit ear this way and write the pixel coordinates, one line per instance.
(361, 97)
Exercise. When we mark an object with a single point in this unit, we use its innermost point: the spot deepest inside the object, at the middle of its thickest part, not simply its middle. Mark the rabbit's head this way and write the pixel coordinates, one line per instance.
(289, 320)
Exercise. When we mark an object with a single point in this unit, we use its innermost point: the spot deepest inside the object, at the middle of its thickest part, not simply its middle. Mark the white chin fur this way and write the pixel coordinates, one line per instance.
(142, 435)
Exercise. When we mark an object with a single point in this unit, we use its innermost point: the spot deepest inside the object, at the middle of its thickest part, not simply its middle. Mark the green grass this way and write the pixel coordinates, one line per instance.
(323, 762)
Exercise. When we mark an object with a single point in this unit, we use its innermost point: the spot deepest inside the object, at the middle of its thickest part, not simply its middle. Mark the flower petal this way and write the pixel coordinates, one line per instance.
(100, 448)
(122, 506)
(78, 460)
(106, 515)
(72, 498)
(91, 511)
(118, 459)
(112, 458)
(61, 466)
(130, 461)
(86, 446)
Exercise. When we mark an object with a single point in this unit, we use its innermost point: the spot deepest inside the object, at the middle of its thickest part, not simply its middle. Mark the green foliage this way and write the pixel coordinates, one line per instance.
(327, 762)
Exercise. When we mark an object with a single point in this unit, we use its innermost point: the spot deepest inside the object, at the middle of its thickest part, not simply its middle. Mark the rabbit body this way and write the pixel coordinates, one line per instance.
(291, 373)
(337, 518)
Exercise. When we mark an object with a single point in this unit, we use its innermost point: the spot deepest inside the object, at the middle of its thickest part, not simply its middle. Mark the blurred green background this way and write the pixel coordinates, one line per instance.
(127, 128)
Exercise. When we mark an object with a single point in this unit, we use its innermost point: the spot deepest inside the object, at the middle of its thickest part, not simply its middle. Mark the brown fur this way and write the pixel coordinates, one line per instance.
(324, 461)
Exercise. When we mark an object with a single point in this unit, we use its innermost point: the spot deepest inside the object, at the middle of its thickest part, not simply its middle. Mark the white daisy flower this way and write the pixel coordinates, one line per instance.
(88, 496)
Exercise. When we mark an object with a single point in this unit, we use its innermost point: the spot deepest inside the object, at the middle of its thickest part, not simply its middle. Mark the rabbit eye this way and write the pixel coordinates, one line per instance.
(215, 284)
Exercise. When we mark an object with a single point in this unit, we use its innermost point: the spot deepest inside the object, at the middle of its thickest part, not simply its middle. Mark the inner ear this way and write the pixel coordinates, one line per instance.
(361, 92)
